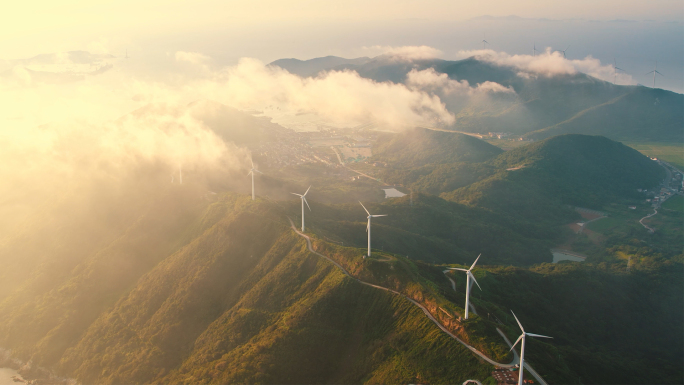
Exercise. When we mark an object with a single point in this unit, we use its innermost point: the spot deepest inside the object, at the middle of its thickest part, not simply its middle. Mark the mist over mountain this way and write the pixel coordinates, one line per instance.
(540, 104)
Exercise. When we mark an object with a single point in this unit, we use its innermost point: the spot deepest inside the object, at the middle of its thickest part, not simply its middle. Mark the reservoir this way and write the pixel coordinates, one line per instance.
(392, 193)
(563, 255)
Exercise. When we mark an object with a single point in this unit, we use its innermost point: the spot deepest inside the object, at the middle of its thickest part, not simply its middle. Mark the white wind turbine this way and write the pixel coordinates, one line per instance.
(484, 42)
(616, 69)
(251, 172)
(566, 48)
(469, 284)
(368, 227)
(522, 348)
(303, 197)
(654, 72)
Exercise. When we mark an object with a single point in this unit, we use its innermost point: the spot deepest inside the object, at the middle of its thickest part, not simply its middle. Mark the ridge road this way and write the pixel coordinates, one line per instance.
(516, 357)
(427, 313)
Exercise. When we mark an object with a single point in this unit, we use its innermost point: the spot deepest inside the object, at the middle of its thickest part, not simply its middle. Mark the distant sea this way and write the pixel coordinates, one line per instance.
(6, 376)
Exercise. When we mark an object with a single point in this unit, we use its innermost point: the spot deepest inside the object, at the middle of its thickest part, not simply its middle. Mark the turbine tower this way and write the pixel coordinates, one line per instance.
(303, 197)
(522, 348)
(251, 172)
(616, 69)
(655, 71)
(368, 227)
(180, 174)
(534, 49)
(469, 284)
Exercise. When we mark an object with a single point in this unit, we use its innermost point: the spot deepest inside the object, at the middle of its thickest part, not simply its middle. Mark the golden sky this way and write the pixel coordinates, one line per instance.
(134, 17)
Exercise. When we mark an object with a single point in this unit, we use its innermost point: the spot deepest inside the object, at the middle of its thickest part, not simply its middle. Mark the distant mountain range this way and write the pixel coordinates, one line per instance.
(311, 67)
(542, 106)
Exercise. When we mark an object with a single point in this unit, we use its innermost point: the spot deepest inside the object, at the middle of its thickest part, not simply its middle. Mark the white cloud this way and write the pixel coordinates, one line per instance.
(431, 80)
(192, 58)
(550, 63)
(335, 95)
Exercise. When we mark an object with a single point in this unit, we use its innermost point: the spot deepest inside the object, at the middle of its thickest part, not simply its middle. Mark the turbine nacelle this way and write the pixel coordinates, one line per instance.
(469, 271)
(303, 197)
(566, 48)
(524, 333)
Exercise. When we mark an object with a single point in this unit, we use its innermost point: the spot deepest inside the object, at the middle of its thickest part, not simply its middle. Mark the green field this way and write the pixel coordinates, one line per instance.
(675, 203)
(673, 154)
(603, 224)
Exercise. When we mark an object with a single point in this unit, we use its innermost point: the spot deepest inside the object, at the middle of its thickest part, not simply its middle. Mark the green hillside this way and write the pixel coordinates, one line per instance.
(577, 170)
(606, 322)
(229, 298)
(418, 147)
(642, 114)
(226, 292)
(435, 230)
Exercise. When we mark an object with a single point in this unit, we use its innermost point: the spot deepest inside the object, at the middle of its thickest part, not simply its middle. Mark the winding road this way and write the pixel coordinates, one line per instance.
(423, 308)
(351, 169)
(650, 229)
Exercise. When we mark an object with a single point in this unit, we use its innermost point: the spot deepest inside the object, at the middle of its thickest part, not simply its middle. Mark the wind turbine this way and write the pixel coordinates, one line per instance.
(534, 49)
(566, 48)
(303, 197)
(522, 348)
(616, 68)
(655, 71)
(251, 172)
(469, 284)
(368, 227)
(484, 42)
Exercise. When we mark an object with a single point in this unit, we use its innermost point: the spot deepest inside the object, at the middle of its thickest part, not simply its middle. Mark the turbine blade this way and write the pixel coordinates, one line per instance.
(478, 257)
(516, 341)
(516, 320)
(252, 161)
(475, 280)
(659, 73)
(381, 215)
(299, 195)
(457, 268)
(364, 207)
(249, 173)
(307, 203)
(307, 190)
(537, 335)
(258, 171)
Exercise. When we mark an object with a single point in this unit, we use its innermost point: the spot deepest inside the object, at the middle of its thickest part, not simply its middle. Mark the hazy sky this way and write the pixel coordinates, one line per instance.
(31, 27)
